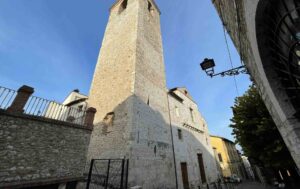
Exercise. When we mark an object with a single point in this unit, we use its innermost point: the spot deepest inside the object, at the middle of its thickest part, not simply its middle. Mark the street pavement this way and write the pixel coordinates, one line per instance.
(252, 185)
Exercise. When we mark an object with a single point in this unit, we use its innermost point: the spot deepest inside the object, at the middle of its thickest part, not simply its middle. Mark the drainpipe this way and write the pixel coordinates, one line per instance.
(172, 140)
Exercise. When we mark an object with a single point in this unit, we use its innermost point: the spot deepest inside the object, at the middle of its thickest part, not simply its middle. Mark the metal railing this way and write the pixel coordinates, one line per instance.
(6, 97)
(108, 174)
(41, 107)
(219, 185)
(50, 109)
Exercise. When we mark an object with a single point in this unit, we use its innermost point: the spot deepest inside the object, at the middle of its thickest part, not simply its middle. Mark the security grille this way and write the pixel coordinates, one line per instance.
(279, 25)
(108, 174)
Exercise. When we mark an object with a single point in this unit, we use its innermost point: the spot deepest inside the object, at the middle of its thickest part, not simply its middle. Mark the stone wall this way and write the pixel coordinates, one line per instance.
(195, 140)
(37, 151)
(245, 38)
(129, 83)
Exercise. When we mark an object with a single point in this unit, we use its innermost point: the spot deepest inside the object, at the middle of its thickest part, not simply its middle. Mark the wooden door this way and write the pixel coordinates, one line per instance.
(201, 168)
(185, 177)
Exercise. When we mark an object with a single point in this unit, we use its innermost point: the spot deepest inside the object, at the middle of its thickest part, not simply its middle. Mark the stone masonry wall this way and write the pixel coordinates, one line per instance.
(34, 149)
(129, 81)
(245, 11)
(195, 140)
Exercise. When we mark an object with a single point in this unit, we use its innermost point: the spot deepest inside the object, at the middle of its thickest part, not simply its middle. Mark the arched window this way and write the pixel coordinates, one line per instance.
(123, 6)
(149, 6)
(278, 38)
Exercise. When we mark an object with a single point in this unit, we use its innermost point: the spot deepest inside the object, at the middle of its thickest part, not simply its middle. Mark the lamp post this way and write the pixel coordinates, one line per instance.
(208, 66)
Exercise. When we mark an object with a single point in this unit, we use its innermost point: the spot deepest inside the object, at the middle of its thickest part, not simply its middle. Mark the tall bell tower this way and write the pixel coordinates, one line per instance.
(130, 95)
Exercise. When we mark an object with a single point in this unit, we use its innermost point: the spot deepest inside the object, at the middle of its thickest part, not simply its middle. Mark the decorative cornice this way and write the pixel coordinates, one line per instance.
(192, 128)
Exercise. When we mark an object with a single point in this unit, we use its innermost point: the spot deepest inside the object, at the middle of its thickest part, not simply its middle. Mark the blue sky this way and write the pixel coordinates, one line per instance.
(53, 46)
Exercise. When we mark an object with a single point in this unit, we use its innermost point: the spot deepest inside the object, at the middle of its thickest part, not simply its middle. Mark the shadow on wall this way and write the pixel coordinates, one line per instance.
(193, 150)
(141, 132)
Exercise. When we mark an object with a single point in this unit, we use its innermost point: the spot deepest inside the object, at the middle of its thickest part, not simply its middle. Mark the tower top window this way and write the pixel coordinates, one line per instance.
(149, 7)
(123, 6)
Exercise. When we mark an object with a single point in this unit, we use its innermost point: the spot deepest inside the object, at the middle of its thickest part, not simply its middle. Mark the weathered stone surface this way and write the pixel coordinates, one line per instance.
(32, 149)
(130, 81)
(245, 38)
(195, 140)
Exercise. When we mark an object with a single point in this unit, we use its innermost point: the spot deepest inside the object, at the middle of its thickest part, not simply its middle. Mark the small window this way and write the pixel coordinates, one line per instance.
(179, 134)
(149, 6)
(123, 6)
(80, 108)
(177, 111)
(220, 157)
(192, 114)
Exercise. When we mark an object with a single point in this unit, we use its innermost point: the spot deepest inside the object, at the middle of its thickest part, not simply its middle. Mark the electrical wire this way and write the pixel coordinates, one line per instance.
(230, 60)
(239, 32)
(227, 46)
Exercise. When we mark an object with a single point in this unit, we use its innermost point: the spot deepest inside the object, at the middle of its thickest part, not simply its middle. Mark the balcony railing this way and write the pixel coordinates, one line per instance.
(6, 97)
(50, 109)
(22, 101)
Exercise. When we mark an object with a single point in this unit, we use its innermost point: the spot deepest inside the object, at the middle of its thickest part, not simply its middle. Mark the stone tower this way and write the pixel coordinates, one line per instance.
(130, 95)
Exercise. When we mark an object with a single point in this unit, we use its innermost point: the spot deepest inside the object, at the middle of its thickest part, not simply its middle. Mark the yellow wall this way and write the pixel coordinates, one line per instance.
(231, 161)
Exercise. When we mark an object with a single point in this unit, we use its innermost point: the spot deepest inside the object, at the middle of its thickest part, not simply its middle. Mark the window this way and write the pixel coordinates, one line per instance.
(80, 108)
(149, 6)
(123, 6)
(177, 111)
(192, 114)
(179, 134)
(220, 157)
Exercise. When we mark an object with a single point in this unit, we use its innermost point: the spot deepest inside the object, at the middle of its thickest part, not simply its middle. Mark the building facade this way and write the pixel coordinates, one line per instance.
(129, 90)
(195, 163)
(159, 131)
(267, 35)
(133, 118)
(248, 168)
(228, 157)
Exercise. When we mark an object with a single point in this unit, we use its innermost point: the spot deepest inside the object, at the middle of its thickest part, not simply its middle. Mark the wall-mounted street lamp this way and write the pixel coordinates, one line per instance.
(208, 66)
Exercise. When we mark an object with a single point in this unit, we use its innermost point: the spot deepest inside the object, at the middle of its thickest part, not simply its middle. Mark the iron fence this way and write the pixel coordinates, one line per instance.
(49, 109)
(6, 97)
(108, 174)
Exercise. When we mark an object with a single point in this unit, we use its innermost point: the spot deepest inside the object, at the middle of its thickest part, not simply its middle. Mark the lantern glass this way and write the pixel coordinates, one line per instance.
(207, 64)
